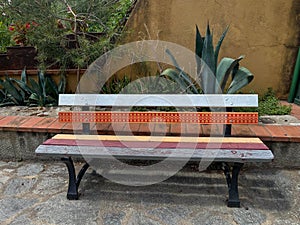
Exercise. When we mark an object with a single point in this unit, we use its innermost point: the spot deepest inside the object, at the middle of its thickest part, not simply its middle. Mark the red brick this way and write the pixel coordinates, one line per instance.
(43, 125)
(261, 132)
(30, 124)
(55, 127)
(161, 129)
(70, 128)
(292, 132)
(144, 129)
(11, 123)
(192, 130)
(213, 130)
(175, 129)
(242, 131)
(277, 133)
(101, 128)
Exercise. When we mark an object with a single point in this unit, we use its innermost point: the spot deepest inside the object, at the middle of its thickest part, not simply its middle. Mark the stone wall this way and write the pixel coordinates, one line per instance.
(266, 32)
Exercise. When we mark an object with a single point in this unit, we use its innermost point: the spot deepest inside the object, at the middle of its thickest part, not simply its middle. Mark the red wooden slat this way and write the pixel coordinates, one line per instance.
(152, 144)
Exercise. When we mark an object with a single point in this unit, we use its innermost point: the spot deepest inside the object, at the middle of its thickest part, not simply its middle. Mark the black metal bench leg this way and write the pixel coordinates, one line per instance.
(74, 181)
(232, 182)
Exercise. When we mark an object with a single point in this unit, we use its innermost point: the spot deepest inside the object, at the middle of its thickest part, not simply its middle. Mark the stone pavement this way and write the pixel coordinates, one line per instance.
(35, 193)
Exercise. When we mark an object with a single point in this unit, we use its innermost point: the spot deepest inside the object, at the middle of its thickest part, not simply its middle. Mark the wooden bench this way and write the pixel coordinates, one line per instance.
(231, 152)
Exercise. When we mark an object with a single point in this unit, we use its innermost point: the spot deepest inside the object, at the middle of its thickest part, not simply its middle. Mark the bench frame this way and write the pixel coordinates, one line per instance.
(226, 102)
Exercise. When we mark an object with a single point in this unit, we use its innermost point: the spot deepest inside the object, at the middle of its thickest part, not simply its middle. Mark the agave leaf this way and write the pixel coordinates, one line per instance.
(24, 76)
(224, 69)
(23, 86)
(35, 86)
(199, 43)
(241, 79)
(220, 43)
(208, 51)
(42, 83)
(15, 94)
(175, 63)
(51, 87)
(174, 75)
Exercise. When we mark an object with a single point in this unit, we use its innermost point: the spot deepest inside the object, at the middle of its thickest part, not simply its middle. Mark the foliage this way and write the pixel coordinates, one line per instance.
(63, 36)
(213, 77)
(5, 36)
(43, 92)
(270, 105)
(20, 32)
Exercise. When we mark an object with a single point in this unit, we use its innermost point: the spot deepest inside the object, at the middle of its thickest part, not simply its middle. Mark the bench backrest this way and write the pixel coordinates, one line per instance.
(221, 106)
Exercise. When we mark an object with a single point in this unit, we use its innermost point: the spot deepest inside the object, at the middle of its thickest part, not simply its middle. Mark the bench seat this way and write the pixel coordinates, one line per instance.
(227, 149)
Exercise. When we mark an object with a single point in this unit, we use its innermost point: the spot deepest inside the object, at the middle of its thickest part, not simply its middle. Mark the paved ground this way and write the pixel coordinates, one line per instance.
(34, 193)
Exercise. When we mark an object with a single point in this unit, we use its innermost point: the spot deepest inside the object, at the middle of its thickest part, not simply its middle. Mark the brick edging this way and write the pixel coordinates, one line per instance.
(276, 133)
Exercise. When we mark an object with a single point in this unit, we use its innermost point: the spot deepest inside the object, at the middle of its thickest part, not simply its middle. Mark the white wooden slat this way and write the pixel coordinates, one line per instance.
(168, 100)
(157, 154)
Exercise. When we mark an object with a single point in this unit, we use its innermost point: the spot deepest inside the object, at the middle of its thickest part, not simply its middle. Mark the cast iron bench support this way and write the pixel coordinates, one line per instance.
(74, 181)
(232, 183)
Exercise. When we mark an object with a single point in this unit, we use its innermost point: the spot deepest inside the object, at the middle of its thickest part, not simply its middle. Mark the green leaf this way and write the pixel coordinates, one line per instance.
(24, 76)
(175, 63)
(24, 86)
(208, 51)
(199, 43)
(220, 43)
(15, 94)
(35, 86)
(224, 69)
(62, 84)
(241, 79)
(42, 83)
(174, 75)
(181, 73)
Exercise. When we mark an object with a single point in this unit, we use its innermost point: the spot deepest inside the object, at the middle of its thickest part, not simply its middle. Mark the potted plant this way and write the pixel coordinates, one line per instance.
(22, 54)
(71, 33)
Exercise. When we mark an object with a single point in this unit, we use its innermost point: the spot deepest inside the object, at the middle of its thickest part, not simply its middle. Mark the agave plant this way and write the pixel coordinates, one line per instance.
(42, 93)
(213, 77)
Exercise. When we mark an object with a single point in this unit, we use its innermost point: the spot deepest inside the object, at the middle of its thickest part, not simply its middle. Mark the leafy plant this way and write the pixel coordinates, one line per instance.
(43, 92)
(269, 104)
(213, 77)
(63, 36)
(5, 36)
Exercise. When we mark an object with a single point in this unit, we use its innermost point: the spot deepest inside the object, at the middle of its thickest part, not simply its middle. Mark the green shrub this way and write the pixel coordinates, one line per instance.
(269, 104)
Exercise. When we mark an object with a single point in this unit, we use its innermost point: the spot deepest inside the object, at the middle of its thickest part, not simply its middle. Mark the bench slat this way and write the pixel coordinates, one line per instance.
(159, 117)
(152, 144)
(159, 138)
(158, 154)
(157, 100)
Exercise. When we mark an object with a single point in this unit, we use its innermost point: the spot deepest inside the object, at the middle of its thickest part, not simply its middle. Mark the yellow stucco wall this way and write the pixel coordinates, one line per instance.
(265, 31)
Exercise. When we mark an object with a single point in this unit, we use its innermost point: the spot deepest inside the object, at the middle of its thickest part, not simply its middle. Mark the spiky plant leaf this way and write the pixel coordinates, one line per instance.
(14, 94)
(208, 50)
(224, 69)
(241, 79)
(199, 43)
(174, 75)
(24, 76)
(218, 46)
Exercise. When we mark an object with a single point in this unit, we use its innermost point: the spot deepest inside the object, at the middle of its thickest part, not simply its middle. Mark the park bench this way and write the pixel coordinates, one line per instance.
(230, 152)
